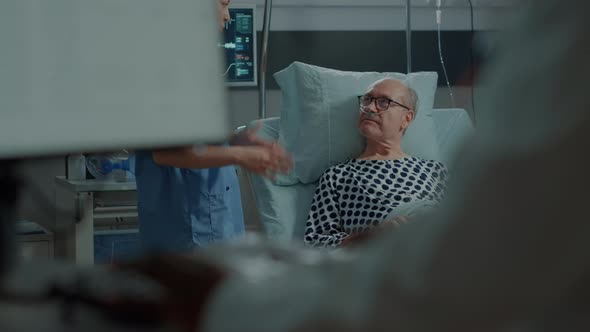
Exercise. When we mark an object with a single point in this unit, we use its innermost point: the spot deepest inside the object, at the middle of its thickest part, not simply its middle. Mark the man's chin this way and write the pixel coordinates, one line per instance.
(369, 125)
(369, 131)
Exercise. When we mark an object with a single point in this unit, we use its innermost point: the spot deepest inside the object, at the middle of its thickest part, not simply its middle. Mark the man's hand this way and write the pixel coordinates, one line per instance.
(394, 223)
(360, 238)
(265, 160)
(357, 239)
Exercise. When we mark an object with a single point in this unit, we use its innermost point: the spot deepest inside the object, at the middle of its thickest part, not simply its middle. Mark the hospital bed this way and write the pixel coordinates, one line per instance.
(319, 108)
(282, 209)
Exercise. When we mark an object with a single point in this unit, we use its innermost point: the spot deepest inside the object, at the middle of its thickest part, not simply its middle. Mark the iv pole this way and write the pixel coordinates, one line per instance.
(409, 36)
(263, 60)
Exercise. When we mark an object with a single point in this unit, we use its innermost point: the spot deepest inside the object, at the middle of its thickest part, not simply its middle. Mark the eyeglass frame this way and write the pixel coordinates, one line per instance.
(374, 100)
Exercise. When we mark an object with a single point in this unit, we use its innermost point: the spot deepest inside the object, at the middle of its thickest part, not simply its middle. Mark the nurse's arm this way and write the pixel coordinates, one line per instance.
(258, 159)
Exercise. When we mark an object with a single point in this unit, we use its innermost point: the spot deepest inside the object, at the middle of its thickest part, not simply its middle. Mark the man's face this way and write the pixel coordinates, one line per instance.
(390, 124)
(223, 13)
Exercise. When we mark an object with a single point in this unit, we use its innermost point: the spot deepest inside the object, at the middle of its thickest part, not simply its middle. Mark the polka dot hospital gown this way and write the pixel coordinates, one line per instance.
(357, 195)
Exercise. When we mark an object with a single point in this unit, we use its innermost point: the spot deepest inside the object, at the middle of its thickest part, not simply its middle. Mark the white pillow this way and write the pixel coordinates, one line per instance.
(319, 115)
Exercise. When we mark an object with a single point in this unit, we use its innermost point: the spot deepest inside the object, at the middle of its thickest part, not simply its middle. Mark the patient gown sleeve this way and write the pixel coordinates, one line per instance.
(323, 227)
(441, 177)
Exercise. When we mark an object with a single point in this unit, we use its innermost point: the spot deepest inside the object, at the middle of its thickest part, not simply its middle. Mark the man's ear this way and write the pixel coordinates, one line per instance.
(409, 117)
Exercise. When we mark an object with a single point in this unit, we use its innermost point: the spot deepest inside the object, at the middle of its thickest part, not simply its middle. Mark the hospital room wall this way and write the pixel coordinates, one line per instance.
(320, 16)
(369, 35)
(334, 49)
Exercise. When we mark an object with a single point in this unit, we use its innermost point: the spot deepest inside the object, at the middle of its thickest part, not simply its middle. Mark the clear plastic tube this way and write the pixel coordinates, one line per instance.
(440, 53)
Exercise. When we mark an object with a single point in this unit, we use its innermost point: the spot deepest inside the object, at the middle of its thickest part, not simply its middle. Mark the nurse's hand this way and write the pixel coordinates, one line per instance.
(248, 137)
(265, 160)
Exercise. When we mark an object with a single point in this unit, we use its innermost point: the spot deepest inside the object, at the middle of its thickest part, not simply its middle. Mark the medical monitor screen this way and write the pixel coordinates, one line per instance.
(240, 47)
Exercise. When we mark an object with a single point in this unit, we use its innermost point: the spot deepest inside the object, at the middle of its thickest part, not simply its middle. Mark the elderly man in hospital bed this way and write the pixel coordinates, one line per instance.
(508, 249)
(355, 197)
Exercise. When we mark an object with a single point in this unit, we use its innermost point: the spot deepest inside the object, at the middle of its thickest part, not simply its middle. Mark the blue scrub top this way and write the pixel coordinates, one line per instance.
(181, 209)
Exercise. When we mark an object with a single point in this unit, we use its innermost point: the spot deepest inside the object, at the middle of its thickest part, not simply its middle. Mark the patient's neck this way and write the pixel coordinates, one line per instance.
(382, 151)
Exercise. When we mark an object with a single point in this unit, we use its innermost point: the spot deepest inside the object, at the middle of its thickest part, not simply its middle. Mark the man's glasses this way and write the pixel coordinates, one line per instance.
(382, 104)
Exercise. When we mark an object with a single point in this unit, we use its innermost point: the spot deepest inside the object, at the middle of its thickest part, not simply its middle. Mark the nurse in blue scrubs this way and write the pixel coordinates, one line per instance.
(189, 197)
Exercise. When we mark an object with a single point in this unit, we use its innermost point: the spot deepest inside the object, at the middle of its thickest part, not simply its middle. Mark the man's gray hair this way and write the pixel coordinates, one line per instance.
(412, 100)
